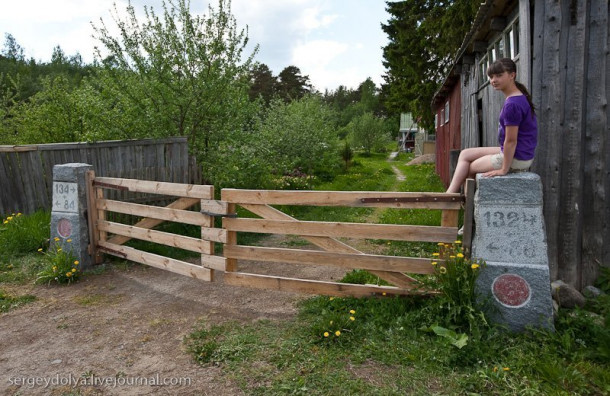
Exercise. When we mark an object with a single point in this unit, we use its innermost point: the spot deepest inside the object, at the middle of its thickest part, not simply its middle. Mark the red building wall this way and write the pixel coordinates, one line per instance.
(448, 135)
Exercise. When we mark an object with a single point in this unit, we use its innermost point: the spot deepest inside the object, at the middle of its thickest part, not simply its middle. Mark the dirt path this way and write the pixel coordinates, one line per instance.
(130, 323)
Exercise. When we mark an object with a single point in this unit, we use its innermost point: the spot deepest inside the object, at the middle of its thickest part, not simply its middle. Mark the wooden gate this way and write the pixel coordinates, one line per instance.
(335, 253)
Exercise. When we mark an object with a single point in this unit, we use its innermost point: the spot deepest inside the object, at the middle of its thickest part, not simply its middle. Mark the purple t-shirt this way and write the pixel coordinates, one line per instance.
(517, 111)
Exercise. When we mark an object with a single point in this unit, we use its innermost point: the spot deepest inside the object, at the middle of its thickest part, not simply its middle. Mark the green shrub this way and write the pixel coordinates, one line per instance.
(61, 266)
(22, 234)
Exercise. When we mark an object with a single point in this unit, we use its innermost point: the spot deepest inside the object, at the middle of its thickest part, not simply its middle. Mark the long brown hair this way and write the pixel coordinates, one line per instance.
(507, 65)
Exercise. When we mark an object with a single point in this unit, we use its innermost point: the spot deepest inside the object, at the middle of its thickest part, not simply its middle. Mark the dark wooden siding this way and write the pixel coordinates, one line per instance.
(448, 135)
(26, 172)
(570, 85)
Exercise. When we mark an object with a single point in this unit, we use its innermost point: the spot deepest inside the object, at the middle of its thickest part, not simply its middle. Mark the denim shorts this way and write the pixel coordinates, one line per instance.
(516, 166)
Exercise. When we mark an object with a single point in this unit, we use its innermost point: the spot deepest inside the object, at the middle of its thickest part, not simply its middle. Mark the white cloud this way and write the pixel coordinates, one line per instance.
(317, 53)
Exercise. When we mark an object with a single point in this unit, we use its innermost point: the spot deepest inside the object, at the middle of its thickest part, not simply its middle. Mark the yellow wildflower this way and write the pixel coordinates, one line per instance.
(76, 262)
(56, 239)
(435, 254)
(54, 268)
(73, 269)
(443, 270)
(457, 242)
(58, 250)
(434, 263)
(9, 218)
(326, 334)
(352, 318)
(69, 240)
(460, 255)
(383, 294)
(68, 274)
(352, 311)
(18, 214)
(5, 222)
(451, 257)
(331, 298)
(40, 249)
(506, 369)
(474, 266)
(331, 322)
(337, 333)
(495, 368)
(440, 244)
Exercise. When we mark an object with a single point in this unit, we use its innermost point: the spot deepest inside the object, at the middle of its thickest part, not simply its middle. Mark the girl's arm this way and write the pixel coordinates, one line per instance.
(510, 144)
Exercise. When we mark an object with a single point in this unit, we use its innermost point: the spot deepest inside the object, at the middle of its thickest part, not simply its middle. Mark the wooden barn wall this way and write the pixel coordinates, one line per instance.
(571, 86)
(26, 172)
(448, 136)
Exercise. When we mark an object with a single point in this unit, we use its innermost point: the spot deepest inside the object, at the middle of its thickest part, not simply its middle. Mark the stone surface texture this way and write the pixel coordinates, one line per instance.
(510, 237)
(70, 225)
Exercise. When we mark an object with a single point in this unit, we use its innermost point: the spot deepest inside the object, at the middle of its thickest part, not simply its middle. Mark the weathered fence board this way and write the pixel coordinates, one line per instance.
(26, 172)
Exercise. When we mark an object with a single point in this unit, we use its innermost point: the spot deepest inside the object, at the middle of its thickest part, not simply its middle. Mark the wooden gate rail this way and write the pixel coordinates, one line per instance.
(389, 268)
(189, 195)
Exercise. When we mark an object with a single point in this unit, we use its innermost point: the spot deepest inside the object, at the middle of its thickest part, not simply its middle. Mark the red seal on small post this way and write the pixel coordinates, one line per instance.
(64, 228)
(511, 290)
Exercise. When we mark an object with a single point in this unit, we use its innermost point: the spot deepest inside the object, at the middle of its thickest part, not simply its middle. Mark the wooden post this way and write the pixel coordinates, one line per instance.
(469, 189)
(92, 213)
(208, 246)
(231, 264)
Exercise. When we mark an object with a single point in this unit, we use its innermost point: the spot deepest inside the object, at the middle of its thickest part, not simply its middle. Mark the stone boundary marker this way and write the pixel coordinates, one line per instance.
(69, 211)
(510, 236)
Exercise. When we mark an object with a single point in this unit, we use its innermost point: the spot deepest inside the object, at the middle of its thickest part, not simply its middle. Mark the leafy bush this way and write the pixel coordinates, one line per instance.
(22, 234)
(61, 266)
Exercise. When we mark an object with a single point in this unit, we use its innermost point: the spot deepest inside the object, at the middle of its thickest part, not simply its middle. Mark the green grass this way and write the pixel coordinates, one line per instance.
(385, 352)
(21, 234)
(9, 302)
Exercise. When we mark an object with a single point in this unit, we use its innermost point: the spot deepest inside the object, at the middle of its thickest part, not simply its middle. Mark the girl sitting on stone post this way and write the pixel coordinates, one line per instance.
(517, 131)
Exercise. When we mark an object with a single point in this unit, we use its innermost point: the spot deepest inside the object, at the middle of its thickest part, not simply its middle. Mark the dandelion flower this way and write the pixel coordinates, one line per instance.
(457, 242)
(451, 257)
(56, 239)
(76, 262)
(440, 244)
(5, 222)
(460, 255)
(331, 322)
(443, 270)
(337, 333)
(54, 268)
(383, 294)
(506, 369)
(9, 218)
(435, 254)
(326, 334)
(331, 298)
(73, 269)
(40, 249)
(19, 214)
(69, 240)
(68, 274)
(352, 311)
(474, 266)
(495, 368)
(434, 263)
(58, 250)
(352, 318)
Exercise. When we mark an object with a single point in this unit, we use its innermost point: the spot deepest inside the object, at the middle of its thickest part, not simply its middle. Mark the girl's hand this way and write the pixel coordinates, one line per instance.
(497, 172)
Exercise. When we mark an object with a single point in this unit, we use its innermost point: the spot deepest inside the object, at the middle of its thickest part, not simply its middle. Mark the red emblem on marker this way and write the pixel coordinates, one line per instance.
(511, 290)
(64, 228)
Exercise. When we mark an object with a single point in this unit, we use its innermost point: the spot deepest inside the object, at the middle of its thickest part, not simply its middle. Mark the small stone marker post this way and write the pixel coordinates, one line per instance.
(69, 211)
(510, 236)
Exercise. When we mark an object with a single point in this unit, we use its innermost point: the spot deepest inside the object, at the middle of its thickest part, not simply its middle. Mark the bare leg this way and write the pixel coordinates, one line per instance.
(470, 162)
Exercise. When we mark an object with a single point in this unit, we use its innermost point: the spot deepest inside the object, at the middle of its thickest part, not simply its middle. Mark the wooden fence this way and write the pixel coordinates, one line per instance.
(334, 253)
(26, 172)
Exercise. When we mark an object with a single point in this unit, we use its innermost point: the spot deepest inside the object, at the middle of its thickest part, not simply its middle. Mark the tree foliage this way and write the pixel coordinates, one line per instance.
(368, 132)
(423, 39)
(184, 74)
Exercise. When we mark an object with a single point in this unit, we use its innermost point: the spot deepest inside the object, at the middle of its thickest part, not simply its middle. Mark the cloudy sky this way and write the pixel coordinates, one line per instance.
(334, 42)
